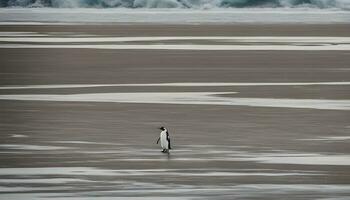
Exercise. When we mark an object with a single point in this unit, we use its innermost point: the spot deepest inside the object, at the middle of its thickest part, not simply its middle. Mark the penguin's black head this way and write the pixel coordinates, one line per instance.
(162, 128)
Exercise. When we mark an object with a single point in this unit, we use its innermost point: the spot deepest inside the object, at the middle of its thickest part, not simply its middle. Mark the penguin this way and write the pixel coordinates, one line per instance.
(164, 139)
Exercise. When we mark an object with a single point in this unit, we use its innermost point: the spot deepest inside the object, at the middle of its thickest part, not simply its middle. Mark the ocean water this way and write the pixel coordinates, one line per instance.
(174, 11)
(341, 4)
(304, 15)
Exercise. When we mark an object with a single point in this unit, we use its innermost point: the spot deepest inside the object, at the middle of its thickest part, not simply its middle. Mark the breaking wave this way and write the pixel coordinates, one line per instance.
(339, 4)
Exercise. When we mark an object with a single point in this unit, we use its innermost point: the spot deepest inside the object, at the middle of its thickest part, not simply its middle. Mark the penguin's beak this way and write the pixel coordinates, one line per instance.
(160, 128)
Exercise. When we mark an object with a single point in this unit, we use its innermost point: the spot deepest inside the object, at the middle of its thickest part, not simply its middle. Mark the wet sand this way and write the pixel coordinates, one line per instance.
(191, 30)
(103, 150)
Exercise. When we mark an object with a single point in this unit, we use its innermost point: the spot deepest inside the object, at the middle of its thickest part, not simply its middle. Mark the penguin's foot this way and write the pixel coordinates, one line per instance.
(164, 151)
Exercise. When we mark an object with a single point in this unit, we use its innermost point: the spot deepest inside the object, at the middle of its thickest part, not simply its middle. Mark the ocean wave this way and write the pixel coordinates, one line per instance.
(197, 4)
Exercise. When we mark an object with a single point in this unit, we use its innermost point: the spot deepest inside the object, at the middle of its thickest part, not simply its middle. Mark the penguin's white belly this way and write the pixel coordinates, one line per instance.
(163, 140)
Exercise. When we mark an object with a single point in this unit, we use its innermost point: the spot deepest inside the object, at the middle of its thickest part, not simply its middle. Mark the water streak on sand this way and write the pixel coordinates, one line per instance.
(336, 160)
(230, 43)
(195, 98)
(133, 172)
(40, 180)
(250, 39)
(18, 136)
(213, 84)
(21, 34)
(321, 47)
(30, 147)
(331, 138)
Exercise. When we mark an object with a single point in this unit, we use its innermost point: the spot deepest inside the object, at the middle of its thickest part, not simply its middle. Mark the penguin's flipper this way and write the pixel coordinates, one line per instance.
(168, 138)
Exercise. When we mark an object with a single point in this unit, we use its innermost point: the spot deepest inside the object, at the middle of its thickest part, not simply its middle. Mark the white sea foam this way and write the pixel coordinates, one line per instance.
(195, 98)
(54, 86)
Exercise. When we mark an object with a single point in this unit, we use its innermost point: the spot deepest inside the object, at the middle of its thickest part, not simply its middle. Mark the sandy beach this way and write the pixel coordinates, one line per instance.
(245, 124)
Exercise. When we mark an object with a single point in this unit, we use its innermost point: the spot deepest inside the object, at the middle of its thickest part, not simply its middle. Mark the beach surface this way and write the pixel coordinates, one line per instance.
(254, 111)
